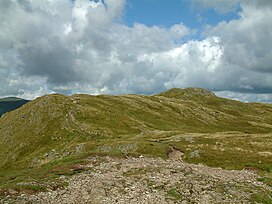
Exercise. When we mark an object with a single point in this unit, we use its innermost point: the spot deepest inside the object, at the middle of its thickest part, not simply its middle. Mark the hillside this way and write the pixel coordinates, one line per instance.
(10, 103)
(56, 131)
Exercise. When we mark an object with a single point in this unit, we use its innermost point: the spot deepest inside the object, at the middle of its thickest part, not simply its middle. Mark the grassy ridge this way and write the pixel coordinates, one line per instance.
(46, 132)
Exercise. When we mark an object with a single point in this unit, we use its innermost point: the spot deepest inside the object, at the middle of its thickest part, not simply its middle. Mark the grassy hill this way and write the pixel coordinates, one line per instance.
(10, 103)
(47, 136)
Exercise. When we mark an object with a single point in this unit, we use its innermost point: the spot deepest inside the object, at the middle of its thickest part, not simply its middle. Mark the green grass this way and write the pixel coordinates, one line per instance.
(266, 180)
(263, 198)
(45, 138)
(48, 173)
(173, 194)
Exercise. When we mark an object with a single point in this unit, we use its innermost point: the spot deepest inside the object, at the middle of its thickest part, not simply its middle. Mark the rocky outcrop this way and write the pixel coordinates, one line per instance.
(174, 153)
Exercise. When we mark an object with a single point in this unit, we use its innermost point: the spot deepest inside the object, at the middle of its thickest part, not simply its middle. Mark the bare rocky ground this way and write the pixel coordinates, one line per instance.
(149, 180)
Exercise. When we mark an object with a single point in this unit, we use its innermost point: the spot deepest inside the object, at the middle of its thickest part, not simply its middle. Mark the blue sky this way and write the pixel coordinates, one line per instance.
(136, 46)
(167, 13)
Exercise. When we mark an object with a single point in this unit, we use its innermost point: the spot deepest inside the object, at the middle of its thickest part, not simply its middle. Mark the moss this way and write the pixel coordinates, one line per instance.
(174, 194)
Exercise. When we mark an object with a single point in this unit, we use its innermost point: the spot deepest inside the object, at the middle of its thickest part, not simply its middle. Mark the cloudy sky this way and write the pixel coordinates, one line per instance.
(136, 46)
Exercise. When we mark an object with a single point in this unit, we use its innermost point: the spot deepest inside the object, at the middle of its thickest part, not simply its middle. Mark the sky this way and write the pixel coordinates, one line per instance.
(136, 46)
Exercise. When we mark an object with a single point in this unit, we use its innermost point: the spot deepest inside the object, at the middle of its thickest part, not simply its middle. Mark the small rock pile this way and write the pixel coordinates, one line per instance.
(149, 180)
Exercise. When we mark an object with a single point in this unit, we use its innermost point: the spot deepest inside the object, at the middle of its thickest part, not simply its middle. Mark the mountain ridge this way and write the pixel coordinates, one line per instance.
(106, 116)
(52, 130)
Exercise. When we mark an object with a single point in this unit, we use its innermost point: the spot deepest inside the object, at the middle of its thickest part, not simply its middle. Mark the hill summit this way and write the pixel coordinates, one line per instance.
(187, 93)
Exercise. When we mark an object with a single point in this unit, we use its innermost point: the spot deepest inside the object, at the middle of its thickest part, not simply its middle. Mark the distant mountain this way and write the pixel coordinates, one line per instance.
(10, 103)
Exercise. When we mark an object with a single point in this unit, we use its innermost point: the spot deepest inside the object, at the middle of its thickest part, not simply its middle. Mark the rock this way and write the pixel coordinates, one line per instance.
(195, 153)
(12, 192)
(189, 139)
(174, 154)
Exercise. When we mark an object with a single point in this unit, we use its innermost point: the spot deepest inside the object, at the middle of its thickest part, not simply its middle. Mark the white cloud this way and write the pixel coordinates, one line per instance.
(246, 97)
(61, 46)
(230, 5)
(248, 40)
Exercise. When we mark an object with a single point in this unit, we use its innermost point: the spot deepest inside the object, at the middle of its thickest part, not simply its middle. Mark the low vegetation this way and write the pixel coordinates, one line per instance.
(54, 134)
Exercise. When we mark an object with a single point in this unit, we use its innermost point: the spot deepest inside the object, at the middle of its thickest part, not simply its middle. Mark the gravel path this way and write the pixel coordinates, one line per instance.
(149, 180)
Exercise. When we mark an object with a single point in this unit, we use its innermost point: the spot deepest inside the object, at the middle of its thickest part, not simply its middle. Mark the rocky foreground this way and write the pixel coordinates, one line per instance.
(150, 180)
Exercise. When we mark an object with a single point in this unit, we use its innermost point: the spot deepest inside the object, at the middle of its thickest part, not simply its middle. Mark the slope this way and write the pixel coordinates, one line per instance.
(55, 129)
